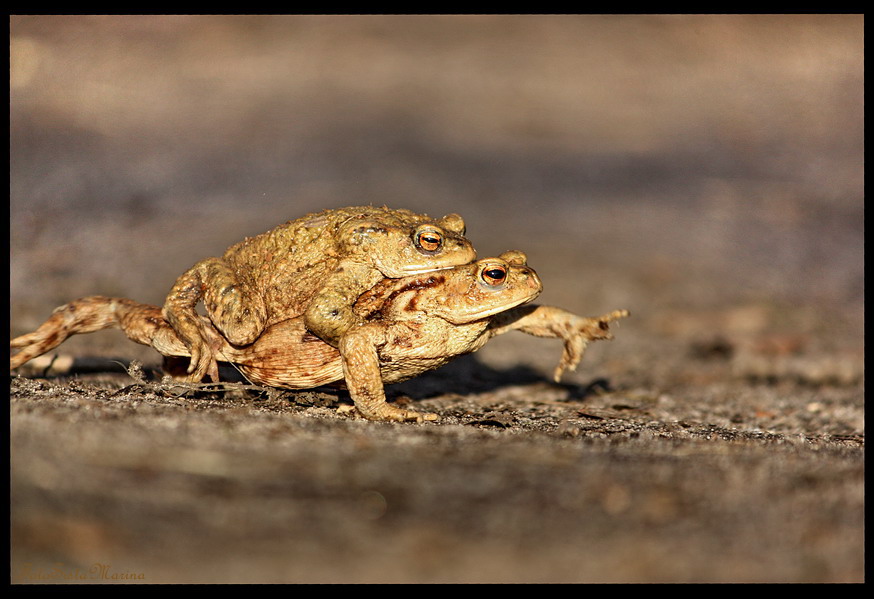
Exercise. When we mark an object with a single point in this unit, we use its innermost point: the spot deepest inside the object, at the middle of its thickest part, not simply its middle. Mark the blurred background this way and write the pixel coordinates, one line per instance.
(703, 171)
(645, 161)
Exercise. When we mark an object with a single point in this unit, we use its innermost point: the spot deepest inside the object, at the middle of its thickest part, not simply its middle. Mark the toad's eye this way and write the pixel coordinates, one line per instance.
(428, 240)
(494, 275)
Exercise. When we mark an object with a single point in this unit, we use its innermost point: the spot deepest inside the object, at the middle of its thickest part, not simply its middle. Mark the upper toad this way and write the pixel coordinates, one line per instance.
(315, 266)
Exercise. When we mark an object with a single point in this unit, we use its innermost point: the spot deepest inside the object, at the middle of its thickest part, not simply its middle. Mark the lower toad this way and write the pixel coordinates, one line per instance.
(409, 325)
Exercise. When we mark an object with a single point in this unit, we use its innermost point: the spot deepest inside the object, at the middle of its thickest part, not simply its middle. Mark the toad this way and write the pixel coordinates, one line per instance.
(315, 267)
(409, 326)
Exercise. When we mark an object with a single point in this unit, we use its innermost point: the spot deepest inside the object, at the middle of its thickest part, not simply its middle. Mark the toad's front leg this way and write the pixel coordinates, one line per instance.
(237, 312)
(330, 313)
(361, 369)
(549, 321)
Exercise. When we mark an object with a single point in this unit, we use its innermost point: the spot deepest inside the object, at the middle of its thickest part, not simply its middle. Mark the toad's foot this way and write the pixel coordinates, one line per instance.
(577, 332)
(203, 363)
(390, 413)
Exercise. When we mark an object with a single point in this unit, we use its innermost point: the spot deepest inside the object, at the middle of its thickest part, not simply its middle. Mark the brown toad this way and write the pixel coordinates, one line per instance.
(315, 266)
(410, 325)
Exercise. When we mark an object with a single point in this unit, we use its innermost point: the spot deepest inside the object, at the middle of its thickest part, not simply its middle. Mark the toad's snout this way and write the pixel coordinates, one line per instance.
(533, 280)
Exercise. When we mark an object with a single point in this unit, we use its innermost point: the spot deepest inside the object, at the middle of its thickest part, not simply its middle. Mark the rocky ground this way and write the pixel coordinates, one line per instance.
(704, 172)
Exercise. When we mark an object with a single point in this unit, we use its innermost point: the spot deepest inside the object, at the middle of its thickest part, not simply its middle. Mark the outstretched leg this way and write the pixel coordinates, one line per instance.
(140, 322)
(549, 321)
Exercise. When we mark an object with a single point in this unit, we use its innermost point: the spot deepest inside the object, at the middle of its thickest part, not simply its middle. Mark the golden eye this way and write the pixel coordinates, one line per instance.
(429, 240)
(494, 275)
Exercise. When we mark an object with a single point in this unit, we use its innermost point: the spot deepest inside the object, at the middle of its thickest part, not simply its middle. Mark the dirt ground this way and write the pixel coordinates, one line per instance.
(704, 172)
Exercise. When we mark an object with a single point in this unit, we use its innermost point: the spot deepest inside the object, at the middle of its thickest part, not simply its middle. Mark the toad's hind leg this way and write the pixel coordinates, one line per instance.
(236, 311)
(140, 322)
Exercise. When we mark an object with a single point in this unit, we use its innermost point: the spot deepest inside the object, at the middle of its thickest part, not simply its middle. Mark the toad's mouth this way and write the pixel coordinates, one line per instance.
(473, 316)
(420, 270)
(413, 268)
(409, 270)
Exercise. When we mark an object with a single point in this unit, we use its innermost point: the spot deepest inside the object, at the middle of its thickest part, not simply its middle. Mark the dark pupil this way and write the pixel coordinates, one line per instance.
(496, 273)
(429, 240)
